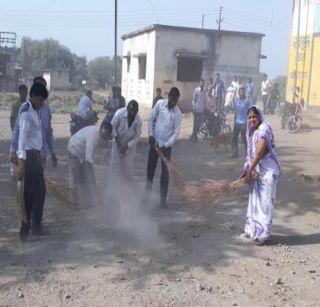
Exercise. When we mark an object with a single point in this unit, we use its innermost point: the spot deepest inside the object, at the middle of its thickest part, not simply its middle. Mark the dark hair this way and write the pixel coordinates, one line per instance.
(174, 92)
(254, 110)
(265, 75)
(106, 125)
(40, 79)
(22, 87)
(201, 80)
(242, 89)
(39, 90)
(89, 92)
(158, 89)
(134, 103)
(217, 74)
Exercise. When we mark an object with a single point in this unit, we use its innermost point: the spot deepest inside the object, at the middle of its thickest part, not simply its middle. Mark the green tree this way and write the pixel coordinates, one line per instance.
(101, 71)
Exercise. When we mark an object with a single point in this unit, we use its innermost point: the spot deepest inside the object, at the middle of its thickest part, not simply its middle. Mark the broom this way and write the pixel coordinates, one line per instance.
(60, 192)
(204, 191)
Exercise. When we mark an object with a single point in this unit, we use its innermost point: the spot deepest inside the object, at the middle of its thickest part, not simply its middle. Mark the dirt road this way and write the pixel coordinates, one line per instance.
(169, 257)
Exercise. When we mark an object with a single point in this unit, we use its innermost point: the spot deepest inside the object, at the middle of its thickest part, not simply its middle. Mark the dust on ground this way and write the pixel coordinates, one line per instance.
(194, 260)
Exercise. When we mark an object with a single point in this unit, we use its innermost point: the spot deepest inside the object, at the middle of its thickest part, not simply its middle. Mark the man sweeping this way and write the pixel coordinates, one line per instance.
(126, 130)
(163, 127)
(30, 165)
(81, 148)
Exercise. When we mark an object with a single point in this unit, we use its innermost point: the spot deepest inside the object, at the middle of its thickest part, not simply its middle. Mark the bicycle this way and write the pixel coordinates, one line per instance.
(213, 123)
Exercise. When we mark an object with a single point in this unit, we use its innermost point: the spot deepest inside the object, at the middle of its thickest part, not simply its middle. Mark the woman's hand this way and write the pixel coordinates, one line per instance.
(248, 177)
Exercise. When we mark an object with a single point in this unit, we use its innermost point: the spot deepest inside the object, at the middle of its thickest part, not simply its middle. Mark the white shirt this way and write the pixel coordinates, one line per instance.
(84, 107)
(30, 137)
(265, 87)
(199, 100)
(164, 124)
(127, 136)
(83, 143)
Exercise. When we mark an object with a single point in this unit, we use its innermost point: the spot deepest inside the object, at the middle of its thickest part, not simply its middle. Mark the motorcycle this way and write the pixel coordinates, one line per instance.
(289, 115)
(77, 122)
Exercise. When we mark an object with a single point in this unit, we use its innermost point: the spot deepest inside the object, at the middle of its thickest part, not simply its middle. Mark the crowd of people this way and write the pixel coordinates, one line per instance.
(32, 143)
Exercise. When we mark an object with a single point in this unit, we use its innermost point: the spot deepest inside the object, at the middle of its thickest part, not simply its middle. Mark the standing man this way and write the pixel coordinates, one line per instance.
(163, 127)
(30, 167)
(198, 105)
(219, 92)
(158, 97)
(126, 130)
(250, 91)
(241, 107)
(46, 131)
(23, 93)
(265, 92)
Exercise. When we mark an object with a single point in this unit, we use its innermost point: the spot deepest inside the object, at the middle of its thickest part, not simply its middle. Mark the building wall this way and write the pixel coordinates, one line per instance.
(57, 80)
(168, 44)
(133, 88)
(245, 62)
(162, 47)
(303, 68)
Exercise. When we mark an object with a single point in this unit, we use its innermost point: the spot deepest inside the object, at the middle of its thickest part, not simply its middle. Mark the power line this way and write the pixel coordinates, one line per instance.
(154, 11)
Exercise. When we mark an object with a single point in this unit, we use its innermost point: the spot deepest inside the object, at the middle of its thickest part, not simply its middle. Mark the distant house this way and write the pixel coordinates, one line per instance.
(166, 56)
(57, 79)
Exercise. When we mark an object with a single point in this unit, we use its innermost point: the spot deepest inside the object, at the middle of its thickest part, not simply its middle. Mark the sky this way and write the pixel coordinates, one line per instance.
(87, 27)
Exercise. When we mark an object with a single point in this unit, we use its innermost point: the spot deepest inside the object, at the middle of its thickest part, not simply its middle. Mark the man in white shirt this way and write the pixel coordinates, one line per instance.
(265, 92)
(126, 130)
(81, 148)
(30, 167)
(163, 128)
(85, 115)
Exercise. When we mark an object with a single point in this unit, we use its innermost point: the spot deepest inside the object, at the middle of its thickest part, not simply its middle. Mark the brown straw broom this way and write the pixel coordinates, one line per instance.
(60, 192)
(204, 191)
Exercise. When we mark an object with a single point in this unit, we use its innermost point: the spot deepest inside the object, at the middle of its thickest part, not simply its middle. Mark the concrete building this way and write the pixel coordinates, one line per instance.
(166, 56)
(57, 79)
(304, 57)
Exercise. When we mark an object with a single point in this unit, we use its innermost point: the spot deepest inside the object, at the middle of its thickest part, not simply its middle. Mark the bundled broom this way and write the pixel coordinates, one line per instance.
(204, 191)
(60, 192)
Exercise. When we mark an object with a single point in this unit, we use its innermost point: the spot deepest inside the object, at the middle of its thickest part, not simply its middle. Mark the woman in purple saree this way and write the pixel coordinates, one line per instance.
(261, 159)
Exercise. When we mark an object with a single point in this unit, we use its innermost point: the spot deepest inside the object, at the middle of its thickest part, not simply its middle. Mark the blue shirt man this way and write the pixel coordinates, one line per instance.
(250, 91)
(241, 107)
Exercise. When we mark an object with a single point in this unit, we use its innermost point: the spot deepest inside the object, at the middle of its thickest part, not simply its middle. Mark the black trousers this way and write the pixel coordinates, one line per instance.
(151, 169)
(197, 120)
(34, 187)
(239, 129)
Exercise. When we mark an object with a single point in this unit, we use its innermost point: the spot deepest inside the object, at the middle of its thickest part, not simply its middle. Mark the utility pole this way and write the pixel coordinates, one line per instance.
(202, 23)
(115, 41)
(297, 51)
(220, 19)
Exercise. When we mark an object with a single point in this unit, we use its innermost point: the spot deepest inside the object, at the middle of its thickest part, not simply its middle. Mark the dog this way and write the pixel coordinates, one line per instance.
(222, 139)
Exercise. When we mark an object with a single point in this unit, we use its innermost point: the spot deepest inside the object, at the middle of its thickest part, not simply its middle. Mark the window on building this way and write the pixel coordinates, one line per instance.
(128, 63)
(189, 69)
(142, 67)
